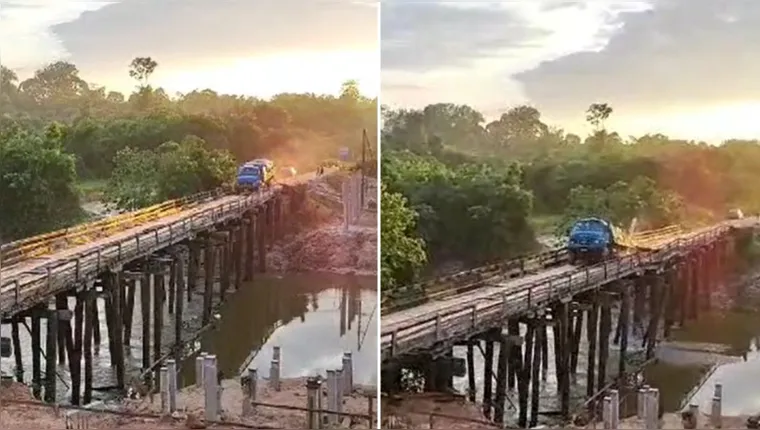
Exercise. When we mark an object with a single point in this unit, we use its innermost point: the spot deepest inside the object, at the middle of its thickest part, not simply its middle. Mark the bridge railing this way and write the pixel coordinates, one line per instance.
(460, 320)
(36, 246)
(455, 283)
(19, 290)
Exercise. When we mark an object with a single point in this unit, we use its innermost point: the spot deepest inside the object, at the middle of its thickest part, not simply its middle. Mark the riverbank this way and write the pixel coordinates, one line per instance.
(146, 413)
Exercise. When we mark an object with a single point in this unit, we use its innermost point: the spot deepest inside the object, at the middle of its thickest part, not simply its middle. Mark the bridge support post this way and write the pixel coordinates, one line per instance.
(129, 309)
(36, 355)
(193, 266)
(471, 386)
(670, 297)
(575, 347)
(116, 290)
(159, 296)
(17, 354)
(523, 382)
(62, 303)
(501, 376)
(605, 327)
(563, 334)
(515, 354)
(172, 286)
(488, 377)
(640, 288)
(592, 327)
(655, 312)
(51, 355)
(225, 266)
(538, 348)
(75, 359)
(625, 300)
(261, 230)
(145, 314)
(209, 265)
(178, 306)
(693, 288)
(89, 333)
(237, 255)
(250, 227)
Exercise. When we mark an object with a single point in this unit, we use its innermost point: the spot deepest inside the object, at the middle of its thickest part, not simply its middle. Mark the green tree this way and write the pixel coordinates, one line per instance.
(403, 254)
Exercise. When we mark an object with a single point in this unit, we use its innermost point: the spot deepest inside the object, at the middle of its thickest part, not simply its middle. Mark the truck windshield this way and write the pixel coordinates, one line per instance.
(594, 226)
(249, 171)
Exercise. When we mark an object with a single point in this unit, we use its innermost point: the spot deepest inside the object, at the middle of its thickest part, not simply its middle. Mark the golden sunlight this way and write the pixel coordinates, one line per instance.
(709, 123)
(302, 72)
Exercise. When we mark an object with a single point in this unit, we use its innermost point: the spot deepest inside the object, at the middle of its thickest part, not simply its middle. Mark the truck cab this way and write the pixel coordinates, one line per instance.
(255, 174)
(590, 240)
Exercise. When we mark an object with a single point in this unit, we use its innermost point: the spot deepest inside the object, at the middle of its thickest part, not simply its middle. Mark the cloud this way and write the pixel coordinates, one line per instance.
(423, 36)
(681, 54)
(468, 52)
(193, 31)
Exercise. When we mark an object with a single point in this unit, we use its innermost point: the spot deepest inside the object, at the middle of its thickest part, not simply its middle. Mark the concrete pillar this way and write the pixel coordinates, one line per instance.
(340, 392)
(171, 365)
(249, 397)
(164, 387)
(274, 375)
(211, 388)
(332, 396)
(348, 374)
(199, 360)
(716, 410)
(640, 401)
(615, 408)
(607, 412)
(653, 408)
(312, 401)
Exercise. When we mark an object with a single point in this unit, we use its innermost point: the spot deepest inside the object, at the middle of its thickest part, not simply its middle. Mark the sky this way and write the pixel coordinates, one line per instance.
(685, 68)
(257, 48)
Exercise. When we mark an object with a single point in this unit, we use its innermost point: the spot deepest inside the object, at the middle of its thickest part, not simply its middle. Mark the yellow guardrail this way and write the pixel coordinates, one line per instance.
(40, 245)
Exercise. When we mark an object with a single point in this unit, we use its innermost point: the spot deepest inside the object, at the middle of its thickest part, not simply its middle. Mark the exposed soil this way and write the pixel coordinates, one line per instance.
(413, 411)
(190, 402)
(327, 245)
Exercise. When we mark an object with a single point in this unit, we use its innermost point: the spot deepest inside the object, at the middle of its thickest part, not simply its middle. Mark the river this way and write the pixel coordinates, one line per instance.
(720, 347)
(314, 318)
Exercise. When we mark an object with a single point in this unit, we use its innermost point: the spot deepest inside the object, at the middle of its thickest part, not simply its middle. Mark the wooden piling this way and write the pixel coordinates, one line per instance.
(89, 333)
(501, 376)
(36, 355)
(523, 382)
(61, 303)
(158, 321)
(605, 327)
(592, 328)
(471, 387)
(238, 234)
(226, 268)
(261, 229)
(145, 311)
(51, 338)
(488, 378)
(172, 287)
(209, 264)
(537, 352)
(625, 306)
(193, 263)
(116, 288)
(515, 360)
(575, 347)
(75, 359)
(250, 242)
(17, 354)
(129, 311)
(179, 308)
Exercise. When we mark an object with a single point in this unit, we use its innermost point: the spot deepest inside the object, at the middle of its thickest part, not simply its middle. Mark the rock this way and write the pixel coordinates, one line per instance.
(753, 422)
(193, 422)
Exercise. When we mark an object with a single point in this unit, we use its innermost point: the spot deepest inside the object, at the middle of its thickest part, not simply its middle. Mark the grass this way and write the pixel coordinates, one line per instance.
(545, 224)
(92, 189)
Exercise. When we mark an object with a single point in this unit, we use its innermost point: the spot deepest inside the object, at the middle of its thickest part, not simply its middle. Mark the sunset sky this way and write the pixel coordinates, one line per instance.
(686, 68)
(256, 48)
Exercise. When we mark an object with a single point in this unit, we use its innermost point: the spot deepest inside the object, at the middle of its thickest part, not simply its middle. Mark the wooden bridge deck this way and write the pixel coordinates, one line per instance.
(34, 280)
(457, 317)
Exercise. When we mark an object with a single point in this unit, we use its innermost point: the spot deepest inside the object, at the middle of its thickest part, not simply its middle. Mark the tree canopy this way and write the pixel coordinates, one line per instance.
(149, 145)
(480, 188)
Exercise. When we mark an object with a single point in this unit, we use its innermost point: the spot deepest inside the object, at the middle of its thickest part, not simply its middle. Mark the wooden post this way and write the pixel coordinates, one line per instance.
(537, 360)
(51, 355)
(625, 305)
(158, 321)
(145, 311)
(501, 376)
(36, 356)
(591, 337)
(209, 264)
(488, 378)
(89, 320)
(472, 389)
(75, 361)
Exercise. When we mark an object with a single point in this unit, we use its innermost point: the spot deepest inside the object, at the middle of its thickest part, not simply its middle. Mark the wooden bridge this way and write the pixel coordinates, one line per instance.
(223, 235)
(489, 304)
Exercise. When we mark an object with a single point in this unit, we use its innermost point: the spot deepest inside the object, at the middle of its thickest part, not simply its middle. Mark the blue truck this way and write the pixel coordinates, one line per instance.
(591, 240)
(254, 175)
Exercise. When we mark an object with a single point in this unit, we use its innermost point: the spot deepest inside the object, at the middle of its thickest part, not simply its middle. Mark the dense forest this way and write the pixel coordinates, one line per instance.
(62, 137)
(457, 189)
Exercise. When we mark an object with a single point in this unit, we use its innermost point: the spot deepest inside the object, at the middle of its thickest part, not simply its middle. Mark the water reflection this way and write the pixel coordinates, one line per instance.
(314, 318)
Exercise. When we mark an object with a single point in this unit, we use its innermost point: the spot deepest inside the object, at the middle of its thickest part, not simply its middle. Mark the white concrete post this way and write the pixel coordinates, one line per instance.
(716, 410)
(653, 419)
(615, 408)
(274, 375)
(607, 412)
(332, 396)
(171, 365)
(211, 388)
(277, 353)
(339, 385)
(199, 360)
(312, 401)
(641, 397)
(348, 373)
(249, 399)
(163, 373)
(694, 409)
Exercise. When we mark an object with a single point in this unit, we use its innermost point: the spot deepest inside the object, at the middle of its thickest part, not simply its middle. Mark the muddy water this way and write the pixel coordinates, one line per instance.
(721, 347)
(314, 318)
